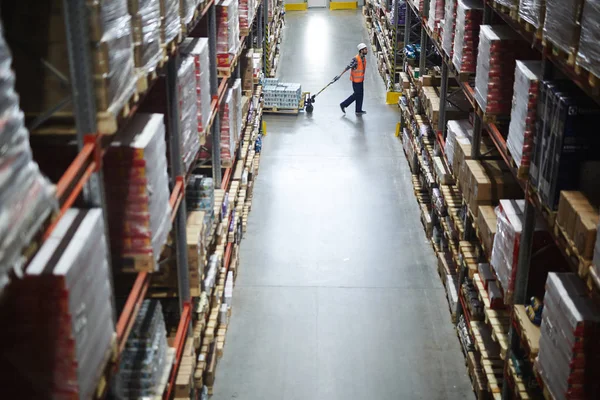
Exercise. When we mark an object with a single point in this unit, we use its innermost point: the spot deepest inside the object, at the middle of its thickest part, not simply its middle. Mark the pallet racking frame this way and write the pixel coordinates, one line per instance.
(83, 178)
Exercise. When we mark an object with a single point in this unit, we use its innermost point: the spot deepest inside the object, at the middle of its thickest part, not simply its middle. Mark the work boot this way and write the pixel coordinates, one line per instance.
(343, 108)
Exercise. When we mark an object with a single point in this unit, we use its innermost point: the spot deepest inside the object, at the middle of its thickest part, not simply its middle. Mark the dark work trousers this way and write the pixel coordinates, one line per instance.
(356, 96)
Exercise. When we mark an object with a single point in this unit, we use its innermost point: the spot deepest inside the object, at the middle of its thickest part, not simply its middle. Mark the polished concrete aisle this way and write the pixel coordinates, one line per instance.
(337, 297)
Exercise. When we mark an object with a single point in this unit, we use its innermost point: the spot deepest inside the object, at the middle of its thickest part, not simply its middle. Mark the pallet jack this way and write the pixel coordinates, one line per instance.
(310, 100)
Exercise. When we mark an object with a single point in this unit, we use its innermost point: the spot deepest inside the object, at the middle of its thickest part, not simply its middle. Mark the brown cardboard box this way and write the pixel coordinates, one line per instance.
(585, 233)
(487, 224)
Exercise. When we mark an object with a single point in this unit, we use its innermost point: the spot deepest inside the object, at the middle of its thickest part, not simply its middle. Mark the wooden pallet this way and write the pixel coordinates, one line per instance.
(136, 263)
(528, 27)
(111, 357)
(512, 12)
(592, 79)
(568, 57)
(529, 333)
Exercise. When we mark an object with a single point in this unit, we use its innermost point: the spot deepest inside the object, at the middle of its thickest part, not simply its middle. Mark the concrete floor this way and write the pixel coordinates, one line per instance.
(338, 296)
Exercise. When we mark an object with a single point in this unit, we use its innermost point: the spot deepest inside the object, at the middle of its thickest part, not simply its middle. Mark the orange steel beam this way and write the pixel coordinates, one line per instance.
(176, 196)
(180, 337)
(131, 309)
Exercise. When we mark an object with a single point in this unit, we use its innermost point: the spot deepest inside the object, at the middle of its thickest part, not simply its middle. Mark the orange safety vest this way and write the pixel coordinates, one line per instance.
(358, 74)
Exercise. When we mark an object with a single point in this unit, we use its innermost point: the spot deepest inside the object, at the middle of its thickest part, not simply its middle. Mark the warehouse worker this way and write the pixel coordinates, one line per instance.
(358, 66)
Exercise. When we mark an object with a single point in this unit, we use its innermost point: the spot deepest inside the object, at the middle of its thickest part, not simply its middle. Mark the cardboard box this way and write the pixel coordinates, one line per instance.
(487, 223)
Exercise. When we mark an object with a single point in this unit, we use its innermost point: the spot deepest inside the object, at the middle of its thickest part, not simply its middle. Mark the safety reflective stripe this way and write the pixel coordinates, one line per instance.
(358, 74)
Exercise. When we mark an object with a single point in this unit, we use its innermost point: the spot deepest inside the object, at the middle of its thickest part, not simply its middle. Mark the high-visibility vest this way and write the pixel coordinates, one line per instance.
(358, 74)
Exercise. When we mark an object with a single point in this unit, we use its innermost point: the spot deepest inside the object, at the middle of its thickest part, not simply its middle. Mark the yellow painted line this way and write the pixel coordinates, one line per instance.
(296, 7)
(343, 5)
(392, 97)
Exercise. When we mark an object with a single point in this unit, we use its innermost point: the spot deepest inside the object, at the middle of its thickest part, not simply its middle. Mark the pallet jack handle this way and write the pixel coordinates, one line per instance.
(311, 99)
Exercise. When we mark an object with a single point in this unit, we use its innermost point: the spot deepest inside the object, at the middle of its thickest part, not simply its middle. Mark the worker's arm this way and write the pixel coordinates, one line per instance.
(353, 64)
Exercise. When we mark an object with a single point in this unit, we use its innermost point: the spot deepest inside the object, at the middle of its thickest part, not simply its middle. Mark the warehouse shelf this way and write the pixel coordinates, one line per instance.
(180, 338)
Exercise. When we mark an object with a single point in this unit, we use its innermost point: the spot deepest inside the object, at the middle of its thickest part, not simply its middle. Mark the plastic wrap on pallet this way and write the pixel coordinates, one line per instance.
(135, 174)
(499, 48)
(64, 325)
(457, 130)
(26, 197)
(566, 156)
(110, 11)
(246, 14)
(198, 49)
(588, 55)
(227, 142)
(144, 358)
(532, 12)
(436, 13)
(170, 20)
(281, 95)
(449, 28)
(561, 25)
(523, 114)
(146, 33)
(568, 348)
(188, 102)
(187, 9)
(469, 15)
(228, 31)
(505, 251)
(512, 4)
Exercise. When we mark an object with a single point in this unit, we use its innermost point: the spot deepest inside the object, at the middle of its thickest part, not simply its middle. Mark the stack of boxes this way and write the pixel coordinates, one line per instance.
(499, 48)
(135, 175)
(228, 32)
(523, 114)
(27, 197)
(469, 15)
(449, 28)
(144, 358)
(188, 111)
(246, 9)
(578, 219)
(533, 12)
(588, 55)
(281, 95)
(562, 24)
(227, 142)
(186, 11)
(568, 356)
(58, 320)
(459, 131)
(197, 48)
(170, 26)
(436, 14)
(566, 156)
(236, 93)
(145, 23)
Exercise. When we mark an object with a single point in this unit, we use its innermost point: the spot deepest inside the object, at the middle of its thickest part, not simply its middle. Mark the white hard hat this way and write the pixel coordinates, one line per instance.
(361, 46)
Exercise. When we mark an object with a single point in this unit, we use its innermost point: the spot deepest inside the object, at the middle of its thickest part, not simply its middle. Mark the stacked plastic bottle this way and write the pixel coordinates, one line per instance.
(187, 9)
(137, 186)
(449, 28)
(436, 14)
(170, 20)
(227, 141)
(57, 320)
(568, 359)
(499, 48)
(458, 131)
(561, 25)
(524, 110)
(145, 21)
(200, 196)
(588, 55)
(469, 15)
(532, 12)
(26, 197)
(228, 32)
(144, 358)
(401, 13)
(197, 48)
(246, 10)
(188, 106)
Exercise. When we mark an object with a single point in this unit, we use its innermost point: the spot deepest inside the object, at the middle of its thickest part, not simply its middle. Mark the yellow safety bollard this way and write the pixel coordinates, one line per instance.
(264, 128)
(398, 125)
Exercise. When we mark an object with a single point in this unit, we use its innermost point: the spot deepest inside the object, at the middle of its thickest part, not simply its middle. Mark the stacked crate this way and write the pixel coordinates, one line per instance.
(188, 111)
(145, 24)
(459, 131)
(533, 12)
(58, 326)
(137, 185)
(197, 48)
(170, 21)
(523, 114)
(227, 141)
(562, 25)
(499, 48)
(578, 220)
(436, 14)
(469, 15)
(568, 357)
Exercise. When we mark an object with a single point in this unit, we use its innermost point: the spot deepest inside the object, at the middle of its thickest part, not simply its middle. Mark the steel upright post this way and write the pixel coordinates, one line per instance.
(443, 100)
(183, 278)
(423, 55)
(214, 88)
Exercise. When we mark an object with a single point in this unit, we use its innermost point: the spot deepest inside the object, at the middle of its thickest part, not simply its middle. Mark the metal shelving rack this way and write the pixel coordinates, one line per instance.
(533, 209)
(83, 177)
